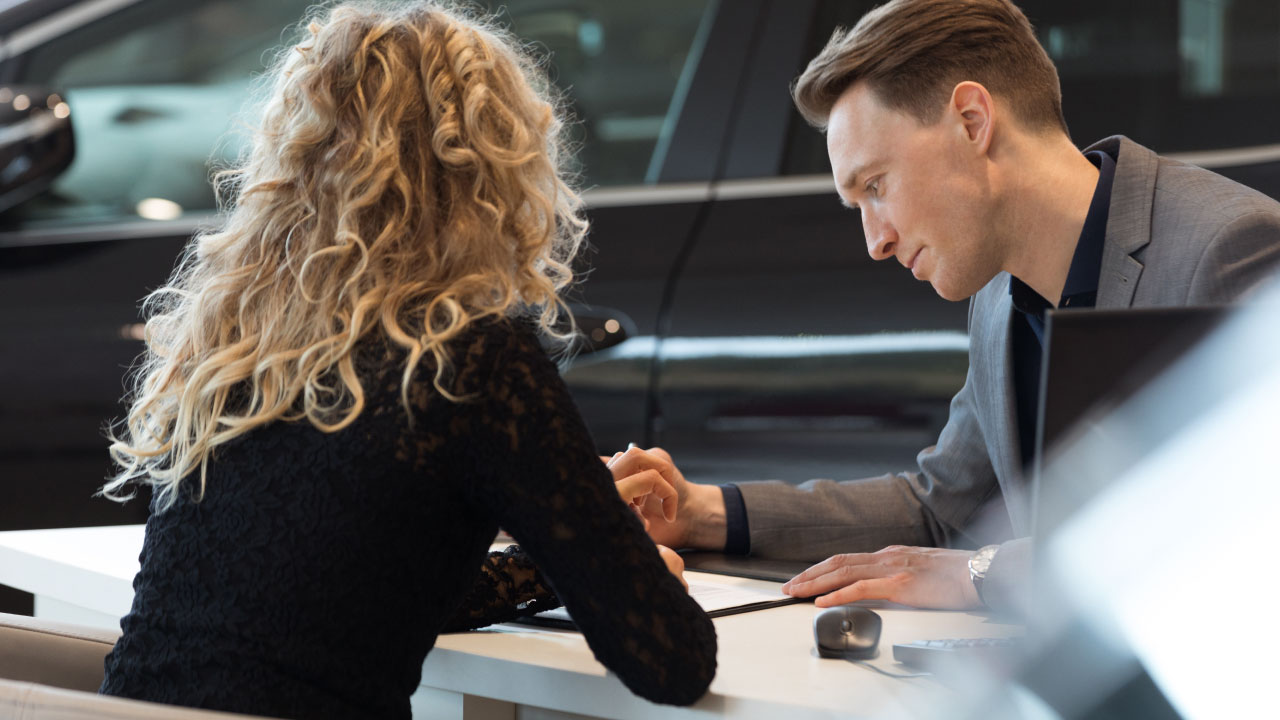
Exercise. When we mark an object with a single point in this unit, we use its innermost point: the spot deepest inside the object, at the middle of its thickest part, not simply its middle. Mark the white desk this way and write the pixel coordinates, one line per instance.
(79, 575)
(768, 667)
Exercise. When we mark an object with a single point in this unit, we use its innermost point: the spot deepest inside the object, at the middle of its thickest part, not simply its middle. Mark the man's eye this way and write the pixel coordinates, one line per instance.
(873, 187)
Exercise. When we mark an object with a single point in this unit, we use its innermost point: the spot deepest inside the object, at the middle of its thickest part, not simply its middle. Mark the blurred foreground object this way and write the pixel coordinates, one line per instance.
(1153, 595)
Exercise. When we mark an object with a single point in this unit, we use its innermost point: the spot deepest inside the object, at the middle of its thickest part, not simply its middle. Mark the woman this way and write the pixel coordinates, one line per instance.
(340, 404)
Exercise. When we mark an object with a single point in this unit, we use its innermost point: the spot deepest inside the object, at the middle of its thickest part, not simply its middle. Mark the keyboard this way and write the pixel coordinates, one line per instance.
(930, 654)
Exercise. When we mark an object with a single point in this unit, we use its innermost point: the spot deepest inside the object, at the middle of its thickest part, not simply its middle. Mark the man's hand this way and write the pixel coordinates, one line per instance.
(645, 486)
(698, 520)
(917, 576)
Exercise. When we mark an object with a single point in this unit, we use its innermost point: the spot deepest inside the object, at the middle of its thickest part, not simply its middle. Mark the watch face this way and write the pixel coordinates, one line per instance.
(981, 560)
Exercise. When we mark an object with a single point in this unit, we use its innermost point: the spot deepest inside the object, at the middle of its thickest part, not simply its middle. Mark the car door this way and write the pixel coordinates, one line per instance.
(643, 221)
(152, 87)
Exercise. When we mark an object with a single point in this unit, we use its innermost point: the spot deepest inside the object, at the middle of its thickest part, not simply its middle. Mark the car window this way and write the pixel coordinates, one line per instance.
(621, 64)
(806, 151)
(1175, 75)
(154, 90)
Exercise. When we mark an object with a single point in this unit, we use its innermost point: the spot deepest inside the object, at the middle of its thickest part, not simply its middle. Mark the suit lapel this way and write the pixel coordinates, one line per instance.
(1128, 219)
(996, 359)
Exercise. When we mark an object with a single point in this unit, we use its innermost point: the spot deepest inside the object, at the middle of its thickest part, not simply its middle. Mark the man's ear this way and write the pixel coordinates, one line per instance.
(975, 111)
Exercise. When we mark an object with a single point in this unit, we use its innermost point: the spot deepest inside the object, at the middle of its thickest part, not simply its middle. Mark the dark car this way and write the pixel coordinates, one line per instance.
(730, 309)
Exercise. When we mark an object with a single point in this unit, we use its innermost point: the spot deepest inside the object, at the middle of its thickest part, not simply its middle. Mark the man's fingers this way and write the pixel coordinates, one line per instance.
(670, 502)
(648, 482)
(636, 489)
(880, 588)
(640, 514)
(662, 455)
(830, 565)
(921, 577)
(636, 460)
(842, 576)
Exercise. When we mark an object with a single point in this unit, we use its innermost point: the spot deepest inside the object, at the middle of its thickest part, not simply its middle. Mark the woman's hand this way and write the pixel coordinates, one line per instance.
(675, 564)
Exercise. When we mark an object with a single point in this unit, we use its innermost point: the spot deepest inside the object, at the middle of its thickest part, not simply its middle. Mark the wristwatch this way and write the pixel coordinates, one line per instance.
(979, 563)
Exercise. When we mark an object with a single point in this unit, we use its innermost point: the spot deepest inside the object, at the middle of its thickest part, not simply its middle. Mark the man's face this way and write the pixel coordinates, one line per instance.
(923, 191)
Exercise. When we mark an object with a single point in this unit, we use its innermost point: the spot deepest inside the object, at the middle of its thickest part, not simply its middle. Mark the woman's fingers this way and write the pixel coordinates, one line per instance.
(675, 564)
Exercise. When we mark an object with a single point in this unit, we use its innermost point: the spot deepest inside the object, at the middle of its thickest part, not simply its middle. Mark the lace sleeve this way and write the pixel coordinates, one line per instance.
(537, 474)
(509, 587)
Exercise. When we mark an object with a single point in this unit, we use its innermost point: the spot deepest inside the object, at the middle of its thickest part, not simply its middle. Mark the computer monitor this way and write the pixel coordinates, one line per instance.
(1095, 359)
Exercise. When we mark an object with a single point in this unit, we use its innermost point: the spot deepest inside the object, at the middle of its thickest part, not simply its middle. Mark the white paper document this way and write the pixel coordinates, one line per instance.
(712, 594)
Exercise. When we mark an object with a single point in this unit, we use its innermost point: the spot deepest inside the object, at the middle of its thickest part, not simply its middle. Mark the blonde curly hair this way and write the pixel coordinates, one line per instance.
(408, 176)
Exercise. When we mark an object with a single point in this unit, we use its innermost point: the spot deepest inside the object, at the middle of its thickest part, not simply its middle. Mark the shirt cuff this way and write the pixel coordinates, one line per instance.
(737, 540)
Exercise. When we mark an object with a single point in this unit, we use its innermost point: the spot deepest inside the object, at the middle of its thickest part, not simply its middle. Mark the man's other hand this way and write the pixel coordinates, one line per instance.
(916, 576)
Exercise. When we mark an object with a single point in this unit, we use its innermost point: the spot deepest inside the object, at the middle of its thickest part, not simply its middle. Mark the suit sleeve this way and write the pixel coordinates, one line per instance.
(1007, 586)
(819, 518)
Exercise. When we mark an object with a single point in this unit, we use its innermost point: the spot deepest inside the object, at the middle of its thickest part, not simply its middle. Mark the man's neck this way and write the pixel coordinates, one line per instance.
(1049, 187)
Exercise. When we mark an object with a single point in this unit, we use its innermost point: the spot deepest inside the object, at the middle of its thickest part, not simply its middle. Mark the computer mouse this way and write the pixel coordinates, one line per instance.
(847, 631)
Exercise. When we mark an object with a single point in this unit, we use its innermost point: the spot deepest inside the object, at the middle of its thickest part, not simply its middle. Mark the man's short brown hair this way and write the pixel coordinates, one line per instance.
(912, 54)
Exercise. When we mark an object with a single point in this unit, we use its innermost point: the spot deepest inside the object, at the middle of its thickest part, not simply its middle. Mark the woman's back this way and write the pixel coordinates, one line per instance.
(315, 573)
(335, 415)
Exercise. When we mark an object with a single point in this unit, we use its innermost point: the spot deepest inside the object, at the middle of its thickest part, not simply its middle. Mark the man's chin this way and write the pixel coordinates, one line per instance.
(952, 292)
(947, 292)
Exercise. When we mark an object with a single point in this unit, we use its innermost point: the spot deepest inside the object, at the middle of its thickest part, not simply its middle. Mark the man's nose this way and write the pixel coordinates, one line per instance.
(882, 241)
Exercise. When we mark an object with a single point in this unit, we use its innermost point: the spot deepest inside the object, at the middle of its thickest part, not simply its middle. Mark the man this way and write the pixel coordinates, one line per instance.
(945, 130)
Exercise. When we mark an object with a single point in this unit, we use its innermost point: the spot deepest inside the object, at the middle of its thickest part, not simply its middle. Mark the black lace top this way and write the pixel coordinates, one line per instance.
(317, 571)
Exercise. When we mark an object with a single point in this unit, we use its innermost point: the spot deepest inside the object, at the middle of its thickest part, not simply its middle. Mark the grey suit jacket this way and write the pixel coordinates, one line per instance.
(1176, 235)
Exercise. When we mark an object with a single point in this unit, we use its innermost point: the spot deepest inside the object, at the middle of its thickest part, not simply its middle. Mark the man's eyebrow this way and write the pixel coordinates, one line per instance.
(850, 179)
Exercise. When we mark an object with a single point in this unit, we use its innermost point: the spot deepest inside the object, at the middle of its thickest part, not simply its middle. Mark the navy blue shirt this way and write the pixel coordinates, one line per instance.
(1080, 291)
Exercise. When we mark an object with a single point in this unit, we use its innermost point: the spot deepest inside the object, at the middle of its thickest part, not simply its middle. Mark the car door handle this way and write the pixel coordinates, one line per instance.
(134, 115)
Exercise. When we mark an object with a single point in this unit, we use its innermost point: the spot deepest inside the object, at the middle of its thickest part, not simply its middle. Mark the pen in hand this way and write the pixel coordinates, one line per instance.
(617, 455)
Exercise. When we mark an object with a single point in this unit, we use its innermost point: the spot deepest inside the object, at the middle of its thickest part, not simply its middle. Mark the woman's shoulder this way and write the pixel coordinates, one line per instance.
(488, 352)
(475, 360)
(503, 338)
(482, 337)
